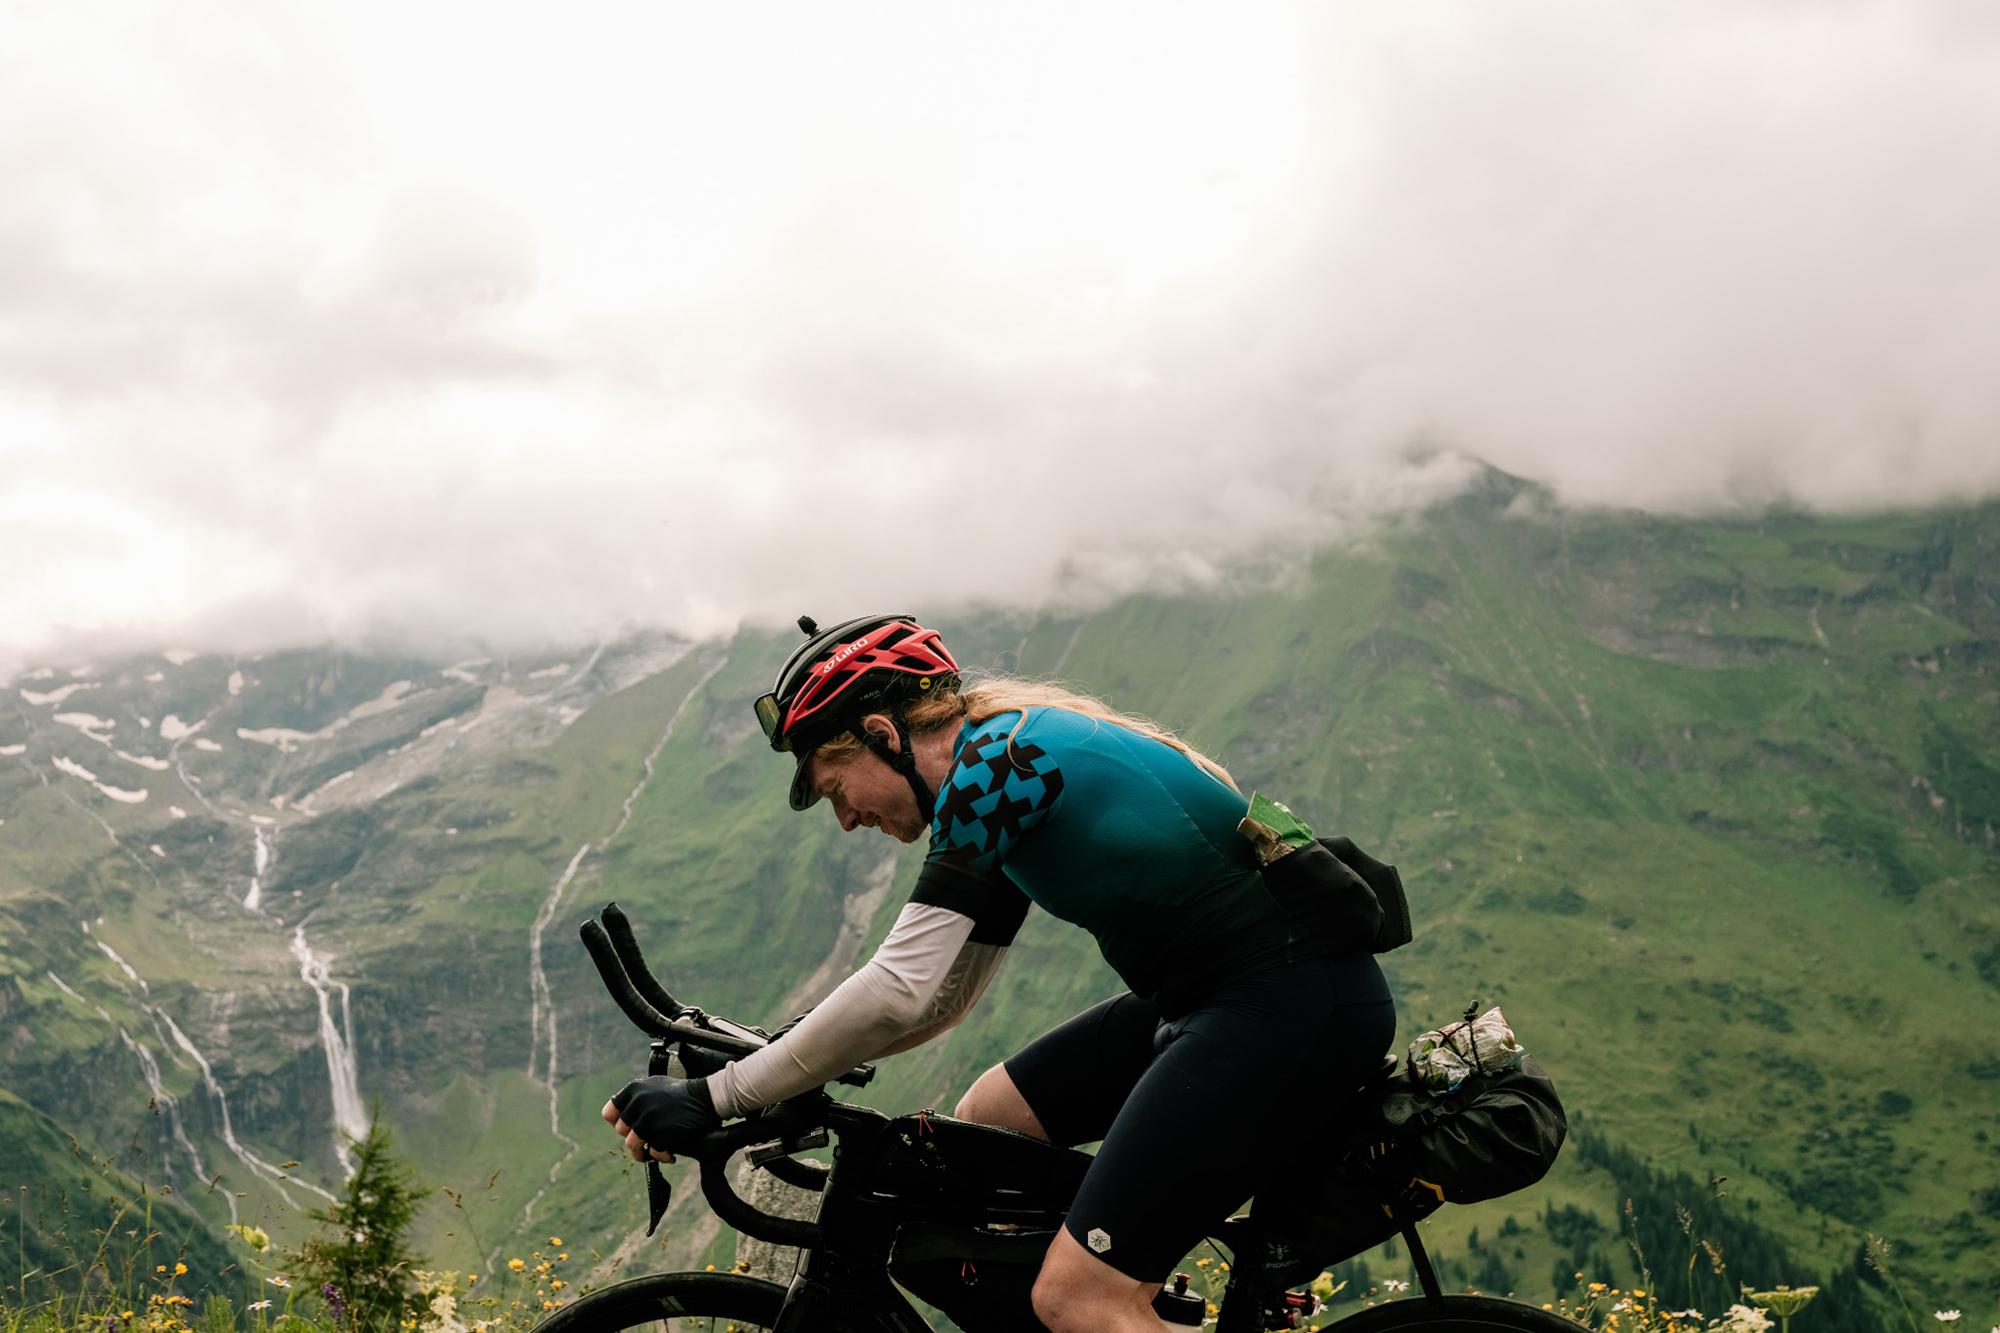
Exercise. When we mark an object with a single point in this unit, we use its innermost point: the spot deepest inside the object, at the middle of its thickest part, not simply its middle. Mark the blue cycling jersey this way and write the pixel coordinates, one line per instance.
(1116, 832)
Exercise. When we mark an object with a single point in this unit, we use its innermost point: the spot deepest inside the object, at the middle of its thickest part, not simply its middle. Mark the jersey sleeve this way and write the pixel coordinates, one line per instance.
(999, 790)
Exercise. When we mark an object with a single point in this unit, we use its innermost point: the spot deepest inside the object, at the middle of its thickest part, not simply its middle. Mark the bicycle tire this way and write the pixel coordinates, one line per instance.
(680, 1300)
(1453, 1314)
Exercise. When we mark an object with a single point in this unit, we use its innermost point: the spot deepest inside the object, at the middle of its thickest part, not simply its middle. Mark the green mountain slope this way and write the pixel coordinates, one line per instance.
(1708, 806)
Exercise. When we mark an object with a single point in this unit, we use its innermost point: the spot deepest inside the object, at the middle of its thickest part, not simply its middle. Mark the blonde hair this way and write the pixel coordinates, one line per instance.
(979, 699)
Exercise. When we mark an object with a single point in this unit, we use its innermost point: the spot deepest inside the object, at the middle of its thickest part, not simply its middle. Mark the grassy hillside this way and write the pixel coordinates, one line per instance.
(71, 1222)
(1708, 806)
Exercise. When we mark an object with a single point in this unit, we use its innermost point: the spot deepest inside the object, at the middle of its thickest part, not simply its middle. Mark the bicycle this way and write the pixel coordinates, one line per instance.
(941, 1206)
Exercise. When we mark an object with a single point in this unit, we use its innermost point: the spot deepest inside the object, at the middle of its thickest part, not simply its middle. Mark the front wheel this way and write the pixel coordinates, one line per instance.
(1454, 1314)
(686, 1302)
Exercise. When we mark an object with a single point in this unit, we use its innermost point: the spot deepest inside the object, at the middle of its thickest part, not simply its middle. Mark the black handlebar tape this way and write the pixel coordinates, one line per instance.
(644, 1017)
(799, 1175)
(737, 1212)
(627, 946)
(656, 1024)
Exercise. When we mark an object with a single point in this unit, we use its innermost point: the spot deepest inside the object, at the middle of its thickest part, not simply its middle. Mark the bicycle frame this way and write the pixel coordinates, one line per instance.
(901, 1190)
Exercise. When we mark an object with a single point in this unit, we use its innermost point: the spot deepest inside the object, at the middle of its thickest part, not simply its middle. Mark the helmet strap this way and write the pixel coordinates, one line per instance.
(904, 761)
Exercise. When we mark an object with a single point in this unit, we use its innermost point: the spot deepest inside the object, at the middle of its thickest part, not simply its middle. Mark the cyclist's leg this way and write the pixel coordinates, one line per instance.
(1067, 1085)
(1079, 1293)
(1199, 1130)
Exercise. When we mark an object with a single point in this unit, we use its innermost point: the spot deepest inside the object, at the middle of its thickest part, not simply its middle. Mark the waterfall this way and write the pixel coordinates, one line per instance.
(165, 1102)
(253, 900)
(541, 1006)
(243, 1154)
(350, 1116)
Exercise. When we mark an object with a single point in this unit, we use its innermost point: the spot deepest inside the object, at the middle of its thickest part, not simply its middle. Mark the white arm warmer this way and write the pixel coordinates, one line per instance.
(920, 982)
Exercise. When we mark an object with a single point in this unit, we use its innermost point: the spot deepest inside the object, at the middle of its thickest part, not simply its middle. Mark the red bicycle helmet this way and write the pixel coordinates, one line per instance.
(874, 664)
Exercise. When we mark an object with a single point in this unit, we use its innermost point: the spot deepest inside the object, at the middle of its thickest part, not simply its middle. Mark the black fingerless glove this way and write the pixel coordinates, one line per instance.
(667, 1112)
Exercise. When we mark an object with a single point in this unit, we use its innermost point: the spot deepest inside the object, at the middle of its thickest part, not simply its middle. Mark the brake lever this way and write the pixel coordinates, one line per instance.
(659, 1193)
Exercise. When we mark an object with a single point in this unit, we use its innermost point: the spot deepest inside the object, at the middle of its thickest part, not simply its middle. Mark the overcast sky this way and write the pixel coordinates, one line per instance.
(446, 324)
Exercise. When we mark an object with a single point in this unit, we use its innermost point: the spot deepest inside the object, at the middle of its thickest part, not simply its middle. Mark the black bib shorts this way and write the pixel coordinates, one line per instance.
(1193, 1114)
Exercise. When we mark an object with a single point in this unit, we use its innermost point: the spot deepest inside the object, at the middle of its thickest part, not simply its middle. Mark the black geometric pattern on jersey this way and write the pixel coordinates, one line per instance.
(996, 792)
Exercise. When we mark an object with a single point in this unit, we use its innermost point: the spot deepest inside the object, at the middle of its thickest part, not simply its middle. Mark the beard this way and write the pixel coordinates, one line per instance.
(904, 830)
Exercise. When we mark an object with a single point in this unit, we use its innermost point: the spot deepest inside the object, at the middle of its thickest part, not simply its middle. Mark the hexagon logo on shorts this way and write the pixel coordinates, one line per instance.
(1099, 1240)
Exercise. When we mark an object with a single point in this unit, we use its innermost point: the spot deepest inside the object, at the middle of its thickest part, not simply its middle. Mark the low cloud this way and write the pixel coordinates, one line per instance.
(309, 332)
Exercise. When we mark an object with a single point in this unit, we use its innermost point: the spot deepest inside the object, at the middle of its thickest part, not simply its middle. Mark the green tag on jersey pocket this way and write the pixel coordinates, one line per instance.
(1273, 829)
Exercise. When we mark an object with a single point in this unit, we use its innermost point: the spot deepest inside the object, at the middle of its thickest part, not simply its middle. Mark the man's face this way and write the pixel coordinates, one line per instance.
(867, 793)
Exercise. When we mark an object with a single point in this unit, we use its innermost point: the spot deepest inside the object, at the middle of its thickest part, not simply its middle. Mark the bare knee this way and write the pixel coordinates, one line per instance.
(1077, 1292)
(994, 1100)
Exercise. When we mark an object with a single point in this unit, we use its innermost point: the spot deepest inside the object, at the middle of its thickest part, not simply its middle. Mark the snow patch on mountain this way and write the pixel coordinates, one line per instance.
(56, 696)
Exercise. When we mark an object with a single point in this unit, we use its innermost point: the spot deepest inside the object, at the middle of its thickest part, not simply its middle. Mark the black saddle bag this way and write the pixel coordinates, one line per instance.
(1394, 1155)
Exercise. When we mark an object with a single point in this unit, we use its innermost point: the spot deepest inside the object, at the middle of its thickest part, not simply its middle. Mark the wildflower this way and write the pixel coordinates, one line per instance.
(555, 1240)
(516, 1264)
(335, 1303)
(161, 1269)
(255, 1237)
(1948, 1316)
(563, 1255)
(1785, 1301)
(1395, 1284)
(1741, 1319)
(709, 1269)
(259, 1305)
(279, 1281)
(180, 1270)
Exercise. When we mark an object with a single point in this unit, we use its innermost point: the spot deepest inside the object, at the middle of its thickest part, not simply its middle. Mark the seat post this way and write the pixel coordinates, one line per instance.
(1427, 1276)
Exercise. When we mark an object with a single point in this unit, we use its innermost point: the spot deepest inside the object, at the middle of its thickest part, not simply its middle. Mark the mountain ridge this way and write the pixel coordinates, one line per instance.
(1704, 803)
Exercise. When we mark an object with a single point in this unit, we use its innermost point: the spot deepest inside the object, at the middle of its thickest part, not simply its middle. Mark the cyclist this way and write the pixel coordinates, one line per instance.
(1029, 792)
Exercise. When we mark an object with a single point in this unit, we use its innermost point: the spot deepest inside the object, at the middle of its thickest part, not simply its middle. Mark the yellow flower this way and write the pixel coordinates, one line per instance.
(709, 1269)
(562, 1256)
(1637, 1292)
(161, 1269)
(516, 1264)
(180, 1269)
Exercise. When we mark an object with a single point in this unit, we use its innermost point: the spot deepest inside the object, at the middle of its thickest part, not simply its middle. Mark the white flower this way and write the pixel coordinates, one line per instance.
(1948, 1316)
(279, 1281)
(1393, 1285)
(1741, 1319)
(260, 1305)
